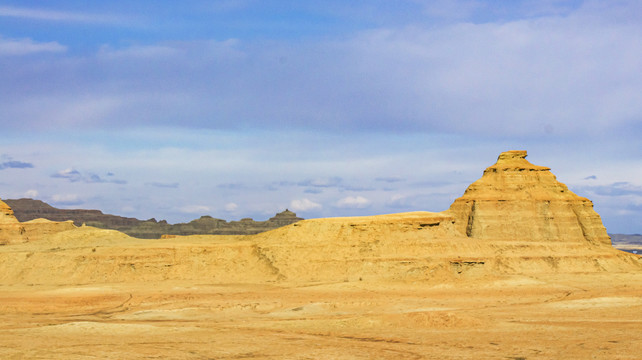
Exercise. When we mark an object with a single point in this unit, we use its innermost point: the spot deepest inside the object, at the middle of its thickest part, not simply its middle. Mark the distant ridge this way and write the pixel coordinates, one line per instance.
(30, 209)
(631, 243)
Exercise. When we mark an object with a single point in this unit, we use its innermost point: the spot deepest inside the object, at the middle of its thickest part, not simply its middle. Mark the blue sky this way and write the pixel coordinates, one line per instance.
(242, 108)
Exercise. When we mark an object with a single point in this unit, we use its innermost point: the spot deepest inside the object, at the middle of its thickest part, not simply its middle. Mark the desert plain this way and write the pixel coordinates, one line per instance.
(519, 267)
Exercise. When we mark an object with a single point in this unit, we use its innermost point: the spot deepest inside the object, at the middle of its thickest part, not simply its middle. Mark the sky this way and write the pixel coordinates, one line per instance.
(243, 108)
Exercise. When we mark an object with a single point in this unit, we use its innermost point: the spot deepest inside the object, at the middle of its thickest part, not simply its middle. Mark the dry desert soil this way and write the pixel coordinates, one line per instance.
(584, 316)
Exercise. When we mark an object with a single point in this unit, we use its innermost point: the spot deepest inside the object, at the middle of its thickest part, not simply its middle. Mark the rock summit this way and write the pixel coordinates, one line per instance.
(516, 200)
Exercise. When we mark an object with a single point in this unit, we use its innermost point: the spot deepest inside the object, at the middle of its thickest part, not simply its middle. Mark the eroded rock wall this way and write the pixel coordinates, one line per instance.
(516, 200)
(11, 231)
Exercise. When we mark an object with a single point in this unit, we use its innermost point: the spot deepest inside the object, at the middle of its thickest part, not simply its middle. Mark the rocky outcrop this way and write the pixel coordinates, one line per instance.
(6, 214)
(516, 219)
(207, 225)
(284, 218)
(14, 232)
(29, 209)
(10, 229)
(516, 200)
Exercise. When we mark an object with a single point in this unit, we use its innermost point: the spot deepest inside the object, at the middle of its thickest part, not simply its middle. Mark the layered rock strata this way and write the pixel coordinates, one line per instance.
(517, 219)
(516, 200)
(6, 214)
(29, 209)
(14, 232)
(10, 229)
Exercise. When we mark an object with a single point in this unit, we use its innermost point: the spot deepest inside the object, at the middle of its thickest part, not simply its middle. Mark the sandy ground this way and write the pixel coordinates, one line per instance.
(577, 316)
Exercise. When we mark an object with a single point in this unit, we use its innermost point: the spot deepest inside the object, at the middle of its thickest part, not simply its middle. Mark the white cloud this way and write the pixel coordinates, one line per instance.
(304, 205)
(195, 209)
(53, 15)
(521, 77)
(321, 182)
(141, 52)
(73, 175)
(70, 174)
(27, 46)
(66, 199)
(33, 194)
(576, 74)
(353, 202)
(231, 207)
(398, 201)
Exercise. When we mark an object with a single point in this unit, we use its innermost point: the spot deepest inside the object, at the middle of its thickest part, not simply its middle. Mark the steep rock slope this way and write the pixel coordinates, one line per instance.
(10, 229)
(14, 232)
(516, 200)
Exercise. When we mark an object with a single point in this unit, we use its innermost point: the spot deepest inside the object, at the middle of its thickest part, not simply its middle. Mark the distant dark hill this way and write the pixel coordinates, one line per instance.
(630, 243)
(29, 209)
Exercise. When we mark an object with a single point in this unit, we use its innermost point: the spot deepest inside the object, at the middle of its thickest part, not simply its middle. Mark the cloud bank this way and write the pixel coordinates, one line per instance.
(15, 165)
(574, 74)
(330, 108)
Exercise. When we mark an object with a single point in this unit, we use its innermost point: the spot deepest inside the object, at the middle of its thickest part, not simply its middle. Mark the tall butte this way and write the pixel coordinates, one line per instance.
(516, 200)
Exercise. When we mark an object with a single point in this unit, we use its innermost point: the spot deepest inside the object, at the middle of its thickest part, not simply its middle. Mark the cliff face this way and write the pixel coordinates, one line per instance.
(516, 200)
(10, 229)
(14, 232)
(6, 214)
(29, 209)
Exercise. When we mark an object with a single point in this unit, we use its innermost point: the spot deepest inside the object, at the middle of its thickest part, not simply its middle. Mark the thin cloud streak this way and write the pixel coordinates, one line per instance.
(15, 165)
(73, 175)
(54, 15)
(174, 185)
(18, 47)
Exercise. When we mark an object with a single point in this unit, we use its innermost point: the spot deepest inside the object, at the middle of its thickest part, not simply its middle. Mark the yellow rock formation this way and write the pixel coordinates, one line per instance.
(6, 214)
(516, 219)
(519, 267)
(14, 232)
(11, 231)
(516, 200)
